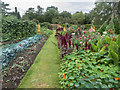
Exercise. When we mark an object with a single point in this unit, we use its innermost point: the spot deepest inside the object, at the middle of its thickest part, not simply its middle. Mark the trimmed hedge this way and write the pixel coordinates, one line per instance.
(14, 29)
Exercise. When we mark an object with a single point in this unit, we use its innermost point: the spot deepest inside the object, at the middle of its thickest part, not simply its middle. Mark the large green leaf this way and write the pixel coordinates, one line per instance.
(115, 57)
(108, 39)
(102, 50)
(94, 47)
(118, 40)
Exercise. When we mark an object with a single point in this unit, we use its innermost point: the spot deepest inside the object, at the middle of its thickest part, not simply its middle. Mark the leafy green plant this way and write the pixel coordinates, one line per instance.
(46, 32)
(99, 47)
(114, 50)
(116, 25)
(46, 25)
(19, 66)
(86, 69)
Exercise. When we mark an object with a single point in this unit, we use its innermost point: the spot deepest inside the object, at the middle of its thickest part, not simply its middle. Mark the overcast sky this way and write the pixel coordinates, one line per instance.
(63, 5)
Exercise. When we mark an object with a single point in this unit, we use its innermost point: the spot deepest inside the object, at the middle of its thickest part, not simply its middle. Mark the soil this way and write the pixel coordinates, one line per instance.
(17, 69)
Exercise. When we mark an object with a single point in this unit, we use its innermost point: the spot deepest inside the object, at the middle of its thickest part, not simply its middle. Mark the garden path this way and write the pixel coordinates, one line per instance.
(43, 72)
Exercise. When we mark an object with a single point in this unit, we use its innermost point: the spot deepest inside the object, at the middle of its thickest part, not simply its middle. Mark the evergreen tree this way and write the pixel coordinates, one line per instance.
(5, 9)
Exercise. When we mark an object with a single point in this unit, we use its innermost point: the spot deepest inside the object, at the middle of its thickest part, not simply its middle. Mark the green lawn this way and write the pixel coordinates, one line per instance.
(43, 72)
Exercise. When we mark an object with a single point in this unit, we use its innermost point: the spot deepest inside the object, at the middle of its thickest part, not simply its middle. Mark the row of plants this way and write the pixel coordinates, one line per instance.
(14, 29)
(9, 52)
(89, 59)
(86, 69)
(46, 32)
(17, 30)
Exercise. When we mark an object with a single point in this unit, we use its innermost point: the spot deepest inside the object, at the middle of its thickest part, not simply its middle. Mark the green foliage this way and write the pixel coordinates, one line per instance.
(99, 47)
(5, 9)
(102, 28)
(118, 40)
(87, 26)
(114, 51)
(94, 47)
(46, 32)
(14, 29)
(16, 13)
(85, 69)
(102, 11)
(110, 26)
(115, 57)
(78, 18)
(116, 25)
(112, 46)
(45, 24)
(65, 14)
(50, 14)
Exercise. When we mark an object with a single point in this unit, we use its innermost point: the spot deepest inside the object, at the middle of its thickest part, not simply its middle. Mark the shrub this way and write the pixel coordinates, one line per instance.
(46, 24)
(46, 32)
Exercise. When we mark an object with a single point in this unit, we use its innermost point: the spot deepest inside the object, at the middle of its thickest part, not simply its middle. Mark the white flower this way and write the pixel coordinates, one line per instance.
(80, 43)
(105, 32)
(103, 35)
(73, 33)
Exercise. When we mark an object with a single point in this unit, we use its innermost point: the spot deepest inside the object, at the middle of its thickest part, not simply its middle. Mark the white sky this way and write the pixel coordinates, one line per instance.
(63, 5)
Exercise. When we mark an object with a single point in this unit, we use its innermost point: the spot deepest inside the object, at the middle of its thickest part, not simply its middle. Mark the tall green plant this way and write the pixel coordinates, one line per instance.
(100, 45)
(116, 25)
(114, 50)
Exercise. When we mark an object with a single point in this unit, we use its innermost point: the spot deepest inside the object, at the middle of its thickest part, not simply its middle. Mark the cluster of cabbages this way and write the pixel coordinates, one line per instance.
(11, 51)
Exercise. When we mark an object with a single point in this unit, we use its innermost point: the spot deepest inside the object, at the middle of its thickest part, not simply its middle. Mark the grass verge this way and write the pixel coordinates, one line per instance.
(44, 71)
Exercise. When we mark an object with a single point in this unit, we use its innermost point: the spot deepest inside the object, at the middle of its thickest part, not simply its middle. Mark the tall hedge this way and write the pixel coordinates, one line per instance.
(14, 29)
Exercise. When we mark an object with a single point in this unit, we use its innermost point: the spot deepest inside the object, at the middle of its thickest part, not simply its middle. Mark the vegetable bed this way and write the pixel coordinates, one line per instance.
(11, 51)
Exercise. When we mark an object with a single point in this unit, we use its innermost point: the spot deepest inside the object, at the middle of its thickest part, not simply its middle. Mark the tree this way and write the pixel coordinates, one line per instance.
(78, 18)
(30, 14)
(52, 7)
(61, 20)
(5, 9)
(103, 11)
(16, 13)
(50, 14)
(87, 18)
(39, 10)
(65, 14)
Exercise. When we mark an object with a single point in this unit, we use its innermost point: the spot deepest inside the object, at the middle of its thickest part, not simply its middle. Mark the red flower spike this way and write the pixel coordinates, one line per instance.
(73, 45)
(89, 46)
(76, 46)
(69, 43)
